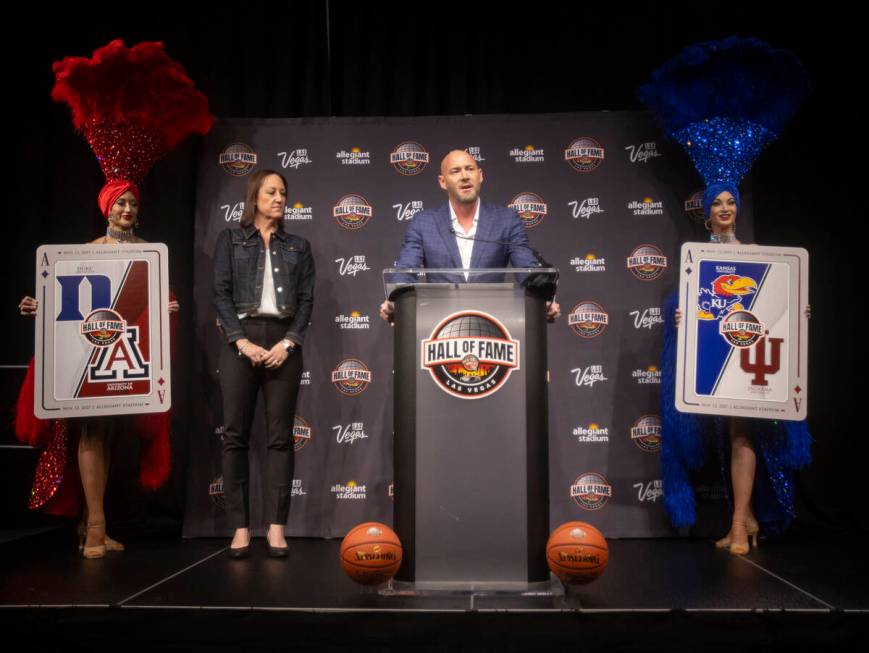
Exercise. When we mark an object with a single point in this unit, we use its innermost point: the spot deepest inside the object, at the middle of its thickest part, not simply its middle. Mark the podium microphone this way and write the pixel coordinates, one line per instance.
(542, 284)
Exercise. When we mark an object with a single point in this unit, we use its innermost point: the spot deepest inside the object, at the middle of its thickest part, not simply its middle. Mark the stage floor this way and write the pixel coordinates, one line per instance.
(820, 585)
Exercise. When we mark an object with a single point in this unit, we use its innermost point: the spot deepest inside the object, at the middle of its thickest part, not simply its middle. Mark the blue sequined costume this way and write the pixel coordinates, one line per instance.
(687, 440)
(724, 102)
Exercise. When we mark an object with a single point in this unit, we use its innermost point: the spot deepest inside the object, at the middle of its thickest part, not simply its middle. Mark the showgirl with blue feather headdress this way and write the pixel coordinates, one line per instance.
(724, 102)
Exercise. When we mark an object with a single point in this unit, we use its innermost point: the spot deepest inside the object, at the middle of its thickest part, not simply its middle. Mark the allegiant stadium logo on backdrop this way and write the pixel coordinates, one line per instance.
(647, 206)
(237, 159)
(591, 491)
(694, 206)
(592, 433)
(528, 154)
(298, 211)
(647, 262)
(409, 158)
(589, 263)
(650, 375)
(301, 433)
(530, 207)
(355, 157)
(351, 377)
(355, 320)
(470, 354)
(352, 490)
(352, 212)
(588, 319)
(584, 154)
(646, 433)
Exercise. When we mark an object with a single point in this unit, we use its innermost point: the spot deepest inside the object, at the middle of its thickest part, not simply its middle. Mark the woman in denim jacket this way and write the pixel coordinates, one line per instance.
(263, 295)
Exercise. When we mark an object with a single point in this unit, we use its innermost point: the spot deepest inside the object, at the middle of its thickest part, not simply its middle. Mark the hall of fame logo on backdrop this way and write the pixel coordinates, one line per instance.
(647, 262)
(591, 491)
(351, 377)
(588, 319)
(584, 154)
(302, 433)
(693, 206)
(470, 354)
(646, 433)
(409, 158)
(352, 212)
(237, 159)
(530, 207)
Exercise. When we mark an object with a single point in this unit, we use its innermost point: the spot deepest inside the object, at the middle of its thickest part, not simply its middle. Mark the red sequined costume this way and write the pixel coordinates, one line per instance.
(133, 105)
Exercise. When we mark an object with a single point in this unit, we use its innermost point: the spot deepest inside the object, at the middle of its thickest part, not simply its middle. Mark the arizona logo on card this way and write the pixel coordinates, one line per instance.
(742, 349)
(102, 333)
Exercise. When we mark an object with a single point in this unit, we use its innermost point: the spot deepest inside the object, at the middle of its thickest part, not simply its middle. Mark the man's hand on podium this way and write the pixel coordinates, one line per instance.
(387, 310)
(553, 311)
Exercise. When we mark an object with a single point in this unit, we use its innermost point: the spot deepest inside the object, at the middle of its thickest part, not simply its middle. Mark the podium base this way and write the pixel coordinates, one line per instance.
(551, 587)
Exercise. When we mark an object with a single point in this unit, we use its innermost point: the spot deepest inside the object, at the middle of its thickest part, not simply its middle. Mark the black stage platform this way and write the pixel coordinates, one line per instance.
(804, 592)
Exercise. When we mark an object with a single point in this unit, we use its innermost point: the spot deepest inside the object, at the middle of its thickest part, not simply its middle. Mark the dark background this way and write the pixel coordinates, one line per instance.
(256, 59)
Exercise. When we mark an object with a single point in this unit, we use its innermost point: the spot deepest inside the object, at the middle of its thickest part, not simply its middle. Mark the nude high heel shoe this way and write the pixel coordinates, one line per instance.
(111, 543)
(98, 551)
(751, 529)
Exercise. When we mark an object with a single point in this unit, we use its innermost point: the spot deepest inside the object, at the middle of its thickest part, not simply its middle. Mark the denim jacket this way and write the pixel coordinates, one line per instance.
(239, 264)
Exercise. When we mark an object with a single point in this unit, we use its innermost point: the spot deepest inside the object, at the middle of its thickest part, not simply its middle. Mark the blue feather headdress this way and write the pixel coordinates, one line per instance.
(724, 101)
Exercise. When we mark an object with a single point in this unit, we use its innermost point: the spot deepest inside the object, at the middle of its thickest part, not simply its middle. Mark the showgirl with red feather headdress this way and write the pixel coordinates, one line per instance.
(133, 105)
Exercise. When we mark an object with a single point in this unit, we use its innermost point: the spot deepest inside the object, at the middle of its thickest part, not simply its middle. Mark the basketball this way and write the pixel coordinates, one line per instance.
(577, 552)
(371, 553)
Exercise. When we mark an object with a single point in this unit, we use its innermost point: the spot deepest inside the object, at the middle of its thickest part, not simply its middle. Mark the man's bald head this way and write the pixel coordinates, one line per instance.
(461, 177)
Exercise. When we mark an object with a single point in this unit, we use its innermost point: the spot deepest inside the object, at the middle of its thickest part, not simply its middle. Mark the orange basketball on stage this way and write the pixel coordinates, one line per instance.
(577, 552)
(371, 553)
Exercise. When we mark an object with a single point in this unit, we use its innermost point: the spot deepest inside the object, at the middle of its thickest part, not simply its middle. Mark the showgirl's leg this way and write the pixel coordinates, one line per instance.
(743, 463)
(92, 468)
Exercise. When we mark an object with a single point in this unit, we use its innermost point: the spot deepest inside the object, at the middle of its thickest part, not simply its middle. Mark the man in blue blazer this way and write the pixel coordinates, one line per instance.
(465, 232)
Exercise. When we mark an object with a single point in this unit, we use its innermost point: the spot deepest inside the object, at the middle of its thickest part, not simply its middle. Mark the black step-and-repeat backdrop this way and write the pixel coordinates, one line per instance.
(604, 197)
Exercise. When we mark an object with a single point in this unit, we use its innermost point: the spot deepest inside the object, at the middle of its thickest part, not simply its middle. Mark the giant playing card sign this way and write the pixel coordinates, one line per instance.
(102, 333)
(743, 342)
